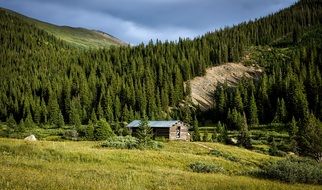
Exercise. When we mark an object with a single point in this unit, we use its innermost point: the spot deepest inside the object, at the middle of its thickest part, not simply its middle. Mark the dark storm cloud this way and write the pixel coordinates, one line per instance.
(135, 21)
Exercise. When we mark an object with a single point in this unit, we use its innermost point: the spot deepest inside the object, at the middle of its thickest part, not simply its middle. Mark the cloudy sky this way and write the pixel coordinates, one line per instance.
(136, 21)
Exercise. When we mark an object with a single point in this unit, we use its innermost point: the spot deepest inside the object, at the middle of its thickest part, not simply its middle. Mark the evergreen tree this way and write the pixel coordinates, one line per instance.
(273, 150)
(89, 133)
(93, 116)
(309, 140)
(61, 122)
(223, 133)
(244, 136)
(102, 130)
(214, 134)
(100, 112)
(196, 133)
(238, 102)
(253, 116)
(29, 123)
(281, 114)
(293, 132)
(205, 137)
(11, 122)
(144, 133)
(53, 110)
(74, 115)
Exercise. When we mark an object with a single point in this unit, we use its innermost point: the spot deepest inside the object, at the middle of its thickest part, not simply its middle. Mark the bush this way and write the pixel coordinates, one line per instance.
(126, 142)
(153, 145)
(129, 142)
(102, 130)
(161, 139)
(205, 168)
(226, 156)
(293, 170)
(70, 135)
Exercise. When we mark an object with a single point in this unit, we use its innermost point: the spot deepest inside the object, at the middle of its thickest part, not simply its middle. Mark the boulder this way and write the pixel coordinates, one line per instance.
(31, 138)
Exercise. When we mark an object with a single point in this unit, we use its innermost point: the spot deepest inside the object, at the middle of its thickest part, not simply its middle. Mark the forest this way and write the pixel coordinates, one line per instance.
(45, 81)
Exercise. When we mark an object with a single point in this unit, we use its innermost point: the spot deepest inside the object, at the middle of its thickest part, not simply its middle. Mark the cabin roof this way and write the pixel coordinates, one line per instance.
(165, 124)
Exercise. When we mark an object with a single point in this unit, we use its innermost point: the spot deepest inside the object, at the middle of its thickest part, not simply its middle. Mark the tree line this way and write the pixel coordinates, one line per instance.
(45, 81)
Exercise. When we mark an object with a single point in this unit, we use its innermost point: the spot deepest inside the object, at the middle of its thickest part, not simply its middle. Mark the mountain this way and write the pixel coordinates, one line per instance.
(78, 37)
(49, 83)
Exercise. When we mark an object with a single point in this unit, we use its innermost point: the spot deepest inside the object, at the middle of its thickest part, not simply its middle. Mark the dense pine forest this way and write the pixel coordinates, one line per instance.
(45, 81)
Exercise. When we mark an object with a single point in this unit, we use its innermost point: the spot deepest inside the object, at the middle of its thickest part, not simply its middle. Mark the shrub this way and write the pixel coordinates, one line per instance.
(161, 139)
(129, 142)
(126, 142)
(70, 135)
(226, 156)
(205, 168)
(293, 170)
(153, 145)
(102, 130)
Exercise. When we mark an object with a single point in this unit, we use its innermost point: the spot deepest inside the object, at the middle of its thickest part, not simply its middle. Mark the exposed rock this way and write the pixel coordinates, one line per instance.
(202, 88)
(234, 140)
(31, 138)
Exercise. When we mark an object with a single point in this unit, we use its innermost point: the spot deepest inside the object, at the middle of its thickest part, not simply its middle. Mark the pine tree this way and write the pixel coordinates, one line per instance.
(89, 133)
(253, 116)
(273, 150)
(214, 134)
(53, 110)
(29, 123)
(220, 102)
(11, 122)
(93, 116)
(309, 139)
(102, 130)
(60, 122)
(244, 136)
(238, 101)
(100, 112)
(74, 114)
(205, 137)
(281, 114)
(144, 133)
(223, 133)
(293, 132)
(196, 133)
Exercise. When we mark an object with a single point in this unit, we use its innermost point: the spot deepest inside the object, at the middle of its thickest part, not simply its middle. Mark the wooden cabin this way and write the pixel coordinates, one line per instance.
(172, 130)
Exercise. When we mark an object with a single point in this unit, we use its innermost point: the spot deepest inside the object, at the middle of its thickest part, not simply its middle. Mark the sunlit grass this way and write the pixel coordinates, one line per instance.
(83, 165)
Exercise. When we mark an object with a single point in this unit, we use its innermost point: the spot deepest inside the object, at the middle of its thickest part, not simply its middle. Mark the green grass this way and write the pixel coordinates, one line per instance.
(82, 165)
(77, 37)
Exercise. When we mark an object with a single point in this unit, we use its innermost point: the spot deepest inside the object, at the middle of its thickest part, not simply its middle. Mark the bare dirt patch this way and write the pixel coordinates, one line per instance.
(202, 88)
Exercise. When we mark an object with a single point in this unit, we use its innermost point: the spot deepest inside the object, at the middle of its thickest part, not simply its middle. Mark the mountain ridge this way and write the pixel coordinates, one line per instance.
(75, 36)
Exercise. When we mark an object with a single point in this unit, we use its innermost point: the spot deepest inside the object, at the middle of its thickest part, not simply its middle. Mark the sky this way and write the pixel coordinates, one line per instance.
(136, 21)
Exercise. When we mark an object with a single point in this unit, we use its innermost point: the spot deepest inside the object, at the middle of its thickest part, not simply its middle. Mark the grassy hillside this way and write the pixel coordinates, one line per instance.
(79, 37)
(82, 165)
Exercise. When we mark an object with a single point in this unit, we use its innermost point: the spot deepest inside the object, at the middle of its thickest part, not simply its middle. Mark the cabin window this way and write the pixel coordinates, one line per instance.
(178, 133)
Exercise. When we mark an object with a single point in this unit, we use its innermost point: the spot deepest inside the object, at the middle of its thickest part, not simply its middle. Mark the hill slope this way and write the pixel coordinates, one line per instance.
(82, 165)
(50, 83)
(79, 37)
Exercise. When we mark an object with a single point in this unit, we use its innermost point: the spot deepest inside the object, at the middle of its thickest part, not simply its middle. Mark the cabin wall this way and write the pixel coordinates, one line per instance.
(184, 133)
(157, 132)
(161, 132)
(168, 133)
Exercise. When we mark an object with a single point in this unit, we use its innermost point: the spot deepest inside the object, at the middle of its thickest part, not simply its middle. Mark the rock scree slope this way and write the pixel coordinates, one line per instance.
(202, 88)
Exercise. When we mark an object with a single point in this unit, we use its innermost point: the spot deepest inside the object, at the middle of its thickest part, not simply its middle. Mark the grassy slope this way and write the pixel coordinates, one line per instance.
(79, 37)
(80, 165)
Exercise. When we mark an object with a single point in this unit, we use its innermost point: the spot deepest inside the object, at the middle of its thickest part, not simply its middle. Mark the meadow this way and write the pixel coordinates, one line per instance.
(85, 165)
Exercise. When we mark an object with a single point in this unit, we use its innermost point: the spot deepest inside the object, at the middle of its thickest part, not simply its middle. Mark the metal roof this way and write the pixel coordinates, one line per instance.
(165, 124)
